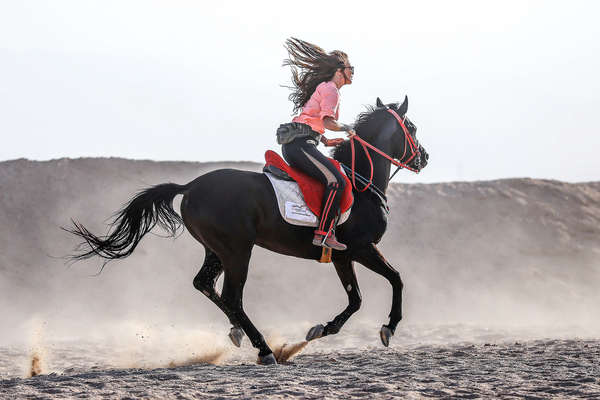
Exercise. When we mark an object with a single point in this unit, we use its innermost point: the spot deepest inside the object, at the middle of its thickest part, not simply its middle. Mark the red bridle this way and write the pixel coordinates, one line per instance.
(408, 143)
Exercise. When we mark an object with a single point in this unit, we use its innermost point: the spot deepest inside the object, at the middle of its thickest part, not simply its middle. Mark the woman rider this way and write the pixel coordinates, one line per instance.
(317, 77)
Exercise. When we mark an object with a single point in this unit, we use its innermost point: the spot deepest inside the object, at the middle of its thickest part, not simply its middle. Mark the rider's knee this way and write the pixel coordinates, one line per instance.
(339, 185)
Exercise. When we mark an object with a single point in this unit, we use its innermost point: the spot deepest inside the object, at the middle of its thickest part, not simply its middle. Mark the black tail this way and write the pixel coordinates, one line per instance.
(148, 208)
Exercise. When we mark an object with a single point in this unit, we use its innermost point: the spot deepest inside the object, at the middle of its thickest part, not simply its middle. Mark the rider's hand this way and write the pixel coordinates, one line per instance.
(334, 142)
(350, 133)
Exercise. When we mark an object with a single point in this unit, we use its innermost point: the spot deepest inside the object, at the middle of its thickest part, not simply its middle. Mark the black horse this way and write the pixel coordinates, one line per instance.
(230, 211)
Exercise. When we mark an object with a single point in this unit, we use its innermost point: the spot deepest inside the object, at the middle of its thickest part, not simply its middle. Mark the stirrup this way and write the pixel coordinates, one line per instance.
(325, 255)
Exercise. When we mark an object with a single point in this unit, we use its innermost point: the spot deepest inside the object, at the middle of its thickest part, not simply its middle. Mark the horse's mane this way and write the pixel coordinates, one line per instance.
(343, 152)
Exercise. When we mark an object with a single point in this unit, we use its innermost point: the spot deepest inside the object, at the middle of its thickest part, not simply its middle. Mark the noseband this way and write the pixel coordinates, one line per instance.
(409, 143)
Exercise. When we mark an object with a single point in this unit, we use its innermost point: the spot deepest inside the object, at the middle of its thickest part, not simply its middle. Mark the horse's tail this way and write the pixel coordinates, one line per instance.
(150, 207)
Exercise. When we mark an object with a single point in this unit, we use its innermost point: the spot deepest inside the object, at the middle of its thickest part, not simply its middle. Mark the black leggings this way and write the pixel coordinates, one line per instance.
(302, 154)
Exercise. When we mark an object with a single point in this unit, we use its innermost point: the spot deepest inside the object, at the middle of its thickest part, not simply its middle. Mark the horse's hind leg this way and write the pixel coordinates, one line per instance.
(206, 278)
(205, 282)
(236, 272)
(345, 271)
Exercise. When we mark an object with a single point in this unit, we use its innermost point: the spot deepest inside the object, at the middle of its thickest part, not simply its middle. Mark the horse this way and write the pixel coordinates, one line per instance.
(230, 211)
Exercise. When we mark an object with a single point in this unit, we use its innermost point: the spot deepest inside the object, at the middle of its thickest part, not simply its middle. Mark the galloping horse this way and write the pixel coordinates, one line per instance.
(230, 211)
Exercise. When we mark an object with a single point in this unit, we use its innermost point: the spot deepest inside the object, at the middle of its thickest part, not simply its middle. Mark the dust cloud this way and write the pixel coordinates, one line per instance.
(36, 366)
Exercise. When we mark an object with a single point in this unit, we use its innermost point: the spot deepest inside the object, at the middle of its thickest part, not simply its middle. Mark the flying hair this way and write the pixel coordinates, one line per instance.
(311, 65)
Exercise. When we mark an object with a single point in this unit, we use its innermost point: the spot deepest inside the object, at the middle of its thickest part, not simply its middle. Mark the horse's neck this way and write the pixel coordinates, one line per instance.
(381, 166)
(381, 173)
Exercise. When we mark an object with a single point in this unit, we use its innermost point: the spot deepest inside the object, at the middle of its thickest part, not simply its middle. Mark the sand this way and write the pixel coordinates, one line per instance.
(528, 369)
(500, 297)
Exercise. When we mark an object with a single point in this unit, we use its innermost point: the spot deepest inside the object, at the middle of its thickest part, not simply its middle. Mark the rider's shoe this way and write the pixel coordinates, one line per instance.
(330, 242)
(318, 239)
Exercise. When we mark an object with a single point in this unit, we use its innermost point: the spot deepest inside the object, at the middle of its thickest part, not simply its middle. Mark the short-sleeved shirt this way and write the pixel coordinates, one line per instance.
(324, 102)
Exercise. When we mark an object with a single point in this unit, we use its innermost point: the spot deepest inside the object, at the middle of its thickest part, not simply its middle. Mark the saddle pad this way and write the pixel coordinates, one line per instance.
(292, 206)
(312, 190)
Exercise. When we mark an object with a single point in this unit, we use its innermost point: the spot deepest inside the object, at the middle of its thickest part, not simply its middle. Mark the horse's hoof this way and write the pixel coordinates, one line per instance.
(236, 335)
(385, 334)
(269, 359)
(315, 332)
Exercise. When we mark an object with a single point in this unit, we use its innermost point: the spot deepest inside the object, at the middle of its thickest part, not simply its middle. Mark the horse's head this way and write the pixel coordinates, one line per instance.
(392, 134)
(397, 137)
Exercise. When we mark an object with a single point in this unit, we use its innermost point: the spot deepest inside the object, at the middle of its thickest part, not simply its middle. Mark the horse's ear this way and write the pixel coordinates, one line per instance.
(379, 103)
(404, 106)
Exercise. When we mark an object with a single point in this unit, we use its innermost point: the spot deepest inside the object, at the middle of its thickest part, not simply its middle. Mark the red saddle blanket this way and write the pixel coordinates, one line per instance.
(311, 188)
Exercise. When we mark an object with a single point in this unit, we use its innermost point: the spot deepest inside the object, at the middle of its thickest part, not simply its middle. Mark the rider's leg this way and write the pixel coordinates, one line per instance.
(303, 154)
(331, 201)
(325, 232)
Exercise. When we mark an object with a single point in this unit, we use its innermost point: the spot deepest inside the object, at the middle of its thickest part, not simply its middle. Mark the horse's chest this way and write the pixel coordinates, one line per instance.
(380, 222)
(367, 224)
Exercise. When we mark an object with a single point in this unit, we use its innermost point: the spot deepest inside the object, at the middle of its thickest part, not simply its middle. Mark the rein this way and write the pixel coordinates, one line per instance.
(408, 143)
(373, 188)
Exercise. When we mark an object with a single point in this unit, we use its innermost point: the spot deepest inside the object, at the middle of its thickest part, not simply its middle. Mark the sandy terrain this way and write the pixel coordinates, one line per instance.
(501, 297)
(532, 369)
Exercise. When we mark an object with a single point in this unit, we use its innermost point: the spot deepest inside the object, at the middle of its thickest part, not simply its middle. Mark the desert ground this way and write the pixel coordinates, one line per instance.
(500, 298)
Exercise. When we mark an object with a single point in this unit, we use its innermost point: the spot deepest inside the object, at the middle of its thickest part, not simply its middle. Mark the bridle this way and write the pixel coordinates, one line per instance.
(409, 143)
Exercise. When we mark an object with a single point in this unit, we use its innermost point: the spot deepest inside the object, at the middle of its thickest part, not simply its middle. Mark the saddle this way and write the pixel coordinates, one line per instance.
(300, 196)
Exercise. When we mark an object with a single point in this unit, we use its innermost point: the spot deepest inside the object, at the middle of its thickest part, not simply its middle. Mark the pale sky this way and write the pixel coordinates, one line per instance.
(497, 89)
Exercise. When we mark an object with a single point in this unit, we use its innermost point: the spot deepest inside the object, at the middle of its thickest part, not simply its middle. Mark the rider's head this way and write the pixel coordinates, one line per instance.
(311, 65)
(345, 71)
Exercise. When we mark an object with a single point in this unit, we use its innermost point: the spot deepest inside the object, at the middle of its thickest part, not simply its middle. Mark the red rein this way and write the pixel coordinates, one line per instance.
(408, 142)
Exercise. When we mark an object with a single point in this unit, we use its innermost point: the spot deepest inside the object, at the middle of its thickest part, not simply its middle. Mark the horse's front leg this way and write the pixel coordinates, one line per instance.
(345, 271)
(370, 257)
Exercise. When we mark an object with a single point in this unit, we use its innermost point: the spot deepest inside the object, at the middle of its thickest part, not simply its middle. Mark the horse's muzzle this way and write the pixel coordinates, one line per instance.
(421, 160)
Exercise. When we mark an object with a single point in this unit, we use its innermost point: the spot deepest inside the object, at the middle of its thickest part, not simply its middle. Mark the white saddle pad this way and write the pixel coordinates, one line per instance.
(292, 206)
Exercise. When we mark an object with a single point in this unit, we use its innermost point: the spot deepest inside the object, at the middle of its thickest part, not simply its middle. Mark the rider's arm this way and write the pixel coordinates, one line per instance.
(329, 111)
(333, 125)
(330, 142)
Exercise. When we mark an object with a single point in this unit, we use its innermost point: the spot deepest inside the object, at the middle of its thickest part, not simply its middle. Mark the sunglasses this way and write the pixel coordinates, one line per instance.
(351, 68)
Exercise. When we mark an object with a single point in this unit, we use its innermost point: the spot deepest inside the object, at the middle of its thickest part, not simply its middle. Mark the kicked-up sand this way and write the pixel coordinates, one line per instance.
(489, 365)
(535, 369)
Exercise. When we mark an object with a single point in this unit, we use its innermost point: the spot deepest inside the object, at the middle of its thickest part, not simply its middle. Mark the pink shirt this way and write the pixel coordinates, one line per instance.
(324, 102)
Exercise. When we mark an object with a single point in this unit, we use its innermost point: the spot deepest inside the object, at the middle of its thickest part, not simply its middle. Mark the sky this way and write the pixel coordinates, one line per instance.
(497, 89)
